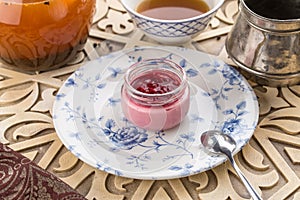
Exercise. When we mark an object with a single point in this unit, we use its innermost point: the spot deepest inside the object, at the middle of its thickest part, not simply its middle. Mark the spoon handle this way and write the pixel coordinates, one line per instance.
(253, 193)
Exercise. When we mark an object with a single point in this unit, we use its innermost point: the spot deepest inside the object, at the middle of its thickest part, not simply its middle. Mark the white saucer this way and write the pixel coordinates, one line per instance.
(89, 120)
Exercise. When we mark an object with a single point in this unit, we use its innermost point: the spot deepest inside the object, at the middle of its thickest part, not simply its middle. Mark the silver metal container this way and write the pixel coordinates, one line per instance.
(267, 50)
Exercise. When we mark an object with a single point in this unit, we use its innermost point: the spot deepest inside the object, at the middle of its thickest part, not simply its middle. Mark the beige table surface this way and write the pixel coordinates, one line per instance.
(271, 160)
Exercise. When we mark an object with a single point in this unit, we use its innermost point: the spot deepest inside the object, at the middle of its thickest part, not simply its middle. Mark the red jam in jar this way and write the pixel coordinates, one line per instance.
(155, 94)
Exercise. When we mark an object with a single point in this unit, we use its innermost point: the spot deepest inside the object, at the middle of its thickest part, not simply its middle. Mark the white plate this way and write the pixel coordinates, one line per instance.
(89, 120)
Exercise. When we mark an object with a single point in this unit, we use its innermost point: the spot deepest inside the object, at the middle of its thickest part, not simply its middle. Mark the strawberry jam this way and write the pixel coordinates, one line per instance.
(156, 82)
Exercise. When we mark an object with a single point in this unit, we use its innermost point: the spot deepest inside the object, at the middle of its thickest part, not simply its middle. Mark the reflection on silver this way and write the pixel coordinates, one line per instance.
(268, 50)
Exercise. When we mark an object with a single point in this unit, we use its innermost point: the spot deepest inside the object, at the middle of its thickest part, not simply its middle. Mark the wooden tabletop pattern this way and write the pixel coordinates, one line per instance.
(271, 160)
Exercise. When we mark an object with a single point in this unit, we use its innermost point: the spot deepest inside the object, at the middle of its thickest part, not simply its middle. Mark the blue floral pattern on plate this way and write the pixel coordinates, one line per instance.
(88, 117)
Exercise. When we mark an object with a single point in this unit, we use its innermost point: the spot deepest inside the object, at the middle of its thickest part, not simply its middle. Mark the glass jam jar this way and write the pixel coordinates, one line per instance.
(155, 94)
(40, 35)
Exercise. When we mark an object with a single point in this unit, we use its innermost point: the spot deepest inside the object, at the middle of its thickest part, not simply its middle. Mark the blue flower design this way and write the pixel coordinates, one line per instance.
(114, 71)
(196, 119)
(103, 166)
(232, 80)
(230, 125)
(86, 82)
(184, 170)
(113, 102)
(234, 123)
(232, 75)
(70, 82)
(192, 72)
(72, 149)
(128, 137)
(59, 96)
(188, 137)
(182, 63)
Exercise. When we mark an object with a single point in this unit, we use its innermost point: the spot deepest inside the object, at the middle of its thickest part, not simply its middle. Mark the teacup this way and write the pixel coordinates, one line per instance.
(168, 31)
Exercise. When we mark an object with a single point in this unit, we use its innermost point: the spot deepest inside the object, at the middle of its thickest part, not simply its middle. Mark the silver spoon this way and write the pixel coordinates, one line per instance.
(220, 143)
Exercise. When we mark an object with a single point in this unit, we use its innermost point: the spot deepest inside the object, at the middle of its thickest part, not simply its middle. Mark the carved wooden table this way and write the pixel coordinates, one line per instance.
(270, 160)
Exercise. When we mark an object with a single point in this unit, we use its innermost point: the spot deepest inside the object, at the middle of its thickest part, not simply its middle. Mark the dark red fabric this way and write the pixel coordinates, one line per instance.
(20, 178)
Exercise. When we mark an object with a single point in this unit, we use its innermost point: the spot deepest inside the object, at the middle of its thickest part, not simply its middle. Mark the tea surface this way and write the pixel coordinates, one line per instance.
(172, 10)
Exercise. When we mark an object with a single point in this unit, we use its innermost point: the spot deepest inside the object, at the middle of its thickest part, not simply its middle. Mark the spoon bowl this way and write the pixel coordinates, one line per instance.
(219, 143)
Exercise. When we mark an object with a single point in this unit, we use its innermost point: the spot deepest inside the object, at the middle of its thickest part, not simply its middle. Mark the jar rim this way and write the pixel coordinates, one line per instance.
(152, 62)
